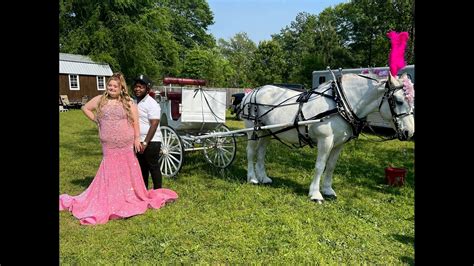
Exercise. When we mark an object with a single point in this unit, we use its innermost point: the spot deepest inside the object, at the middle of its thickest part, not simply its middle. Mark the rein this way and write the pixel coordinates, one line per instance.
(382, 139)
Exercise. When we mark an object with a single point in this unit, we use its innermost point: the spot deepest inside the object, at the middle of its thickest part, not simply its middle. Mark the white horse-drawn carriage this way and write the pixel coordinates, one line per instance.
(190, 115)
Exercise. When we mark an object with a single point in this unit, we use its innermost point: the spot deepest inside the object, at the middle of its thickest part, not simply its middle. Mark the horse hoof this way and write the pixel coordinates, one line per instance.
(253, 181)
(317, 201)
(330, 197)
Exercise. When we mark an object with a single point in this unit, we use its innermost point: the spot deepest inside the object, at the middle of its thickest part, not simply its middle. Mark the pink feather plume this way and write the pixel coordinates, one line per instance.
(396, 59)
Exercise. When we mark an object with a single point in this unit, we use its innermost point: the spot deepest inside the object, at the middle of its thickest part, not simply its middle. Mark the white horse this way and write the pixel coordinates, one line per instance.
(275, 105)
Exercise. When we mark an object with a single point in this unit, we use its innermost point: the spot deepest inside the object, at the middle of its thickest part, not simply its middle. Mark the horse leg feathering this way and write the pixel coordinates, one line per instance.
(251, 149)
(328, 172)
(324, 149)
(260, 165)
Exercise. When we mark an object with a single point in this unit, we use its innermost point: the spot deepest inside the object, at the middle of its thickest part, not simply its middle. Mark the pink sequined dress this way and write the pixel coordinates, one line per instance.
(118, 190)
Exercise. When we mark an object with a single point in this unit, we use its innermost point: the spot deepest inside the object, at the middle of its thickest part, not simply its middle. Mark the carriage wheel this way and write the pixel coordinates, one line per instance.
(172, 152)
(220, 151)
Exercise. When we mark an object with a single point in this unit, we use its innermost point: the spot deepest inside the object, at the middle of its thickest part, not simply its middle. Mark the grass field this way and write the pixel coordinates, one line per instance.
(220, 219)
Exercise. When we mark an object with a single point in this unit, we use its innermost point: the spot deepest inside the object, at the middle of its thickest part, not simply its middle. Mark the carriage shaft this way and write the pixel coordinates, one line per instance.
(230, 133)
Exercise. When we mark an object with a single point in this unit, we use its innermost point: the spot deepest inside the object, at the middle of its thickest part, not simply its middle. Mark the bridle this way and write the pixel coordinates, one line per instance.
(389, 92)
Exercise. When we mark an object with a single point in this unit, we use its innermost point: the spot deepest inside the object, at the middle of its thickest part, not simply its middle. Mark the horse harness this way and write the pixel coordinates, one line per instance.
(343, 108)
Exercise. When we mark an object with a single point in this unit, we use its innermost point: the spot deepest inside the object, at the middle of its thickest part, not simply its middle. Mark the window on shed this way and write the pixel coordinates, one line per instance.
(322, 79)
(100, 83)
(74, 82)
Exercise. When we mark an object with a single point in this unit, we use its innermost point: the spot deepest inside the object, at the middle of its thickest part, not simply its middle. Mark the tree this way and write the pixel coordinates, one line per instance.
(132, 36)
(238, 51)
(363, 25)
(297, 43)
(267, 64)
(208, 64)
(404, 17)
(190, 20)
(311, 43)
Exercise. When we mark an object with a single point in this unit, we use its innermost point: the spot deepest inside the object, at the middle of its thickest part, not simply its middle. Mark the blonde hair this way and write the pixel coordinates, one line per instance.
(123, 97)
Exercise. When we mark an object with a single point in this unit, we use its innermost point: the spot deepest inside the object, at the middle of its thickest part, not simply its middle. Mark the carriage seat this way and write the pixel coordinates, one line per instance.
(175, 99)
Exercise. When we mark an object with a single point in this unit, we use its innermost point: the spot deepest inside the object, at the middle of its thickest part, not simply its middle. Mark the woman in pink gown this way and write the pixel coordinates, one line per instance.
(118, 190)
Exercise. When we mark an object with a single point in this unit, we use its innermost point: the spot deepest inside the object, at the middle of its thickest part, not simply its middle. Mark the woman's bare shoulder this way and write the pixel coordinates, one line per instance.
(93, 103)
(97, 98)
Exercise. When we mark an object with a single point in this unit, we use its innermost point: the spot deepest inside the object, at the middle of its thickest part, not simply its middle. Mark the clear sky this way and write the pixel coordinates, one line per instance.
(260, 18)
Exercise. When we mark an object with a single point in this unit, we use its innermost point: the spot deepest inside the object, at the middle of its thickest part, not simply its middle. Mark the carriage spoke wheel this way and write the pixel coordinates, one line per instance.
(172, 152)
(220, 151)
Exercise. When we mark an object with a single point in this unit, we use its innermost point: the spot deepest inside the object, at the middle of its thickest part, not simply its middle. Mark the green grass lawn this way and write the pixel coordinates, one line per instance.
(219, 218)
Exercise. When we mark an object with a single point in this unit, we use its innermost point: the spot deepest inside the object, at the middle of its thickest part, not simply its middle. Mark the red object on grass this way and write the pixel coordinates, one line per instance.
(395, 176)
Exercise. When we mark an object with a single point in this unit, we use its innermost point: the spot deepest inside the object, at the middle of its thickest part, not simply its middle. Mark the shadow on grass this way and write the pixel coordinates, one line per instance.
(359, 170)
(354, 169)
(407, 260)
(239, 175)
(83, 182)
(408, 240)
(195, 161)
(297, 188)
(237, 171)
(283, 163)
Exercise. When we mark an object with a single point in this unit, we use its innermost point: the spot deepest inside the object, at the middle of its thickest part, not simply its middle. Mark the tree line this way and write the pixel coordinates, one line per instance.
(169, 38)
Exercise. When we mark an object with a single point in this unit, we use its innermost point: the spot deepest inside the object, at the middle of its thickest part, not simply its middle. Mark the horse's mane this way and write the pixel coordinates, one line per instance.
(374, 76)
(369, 76)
